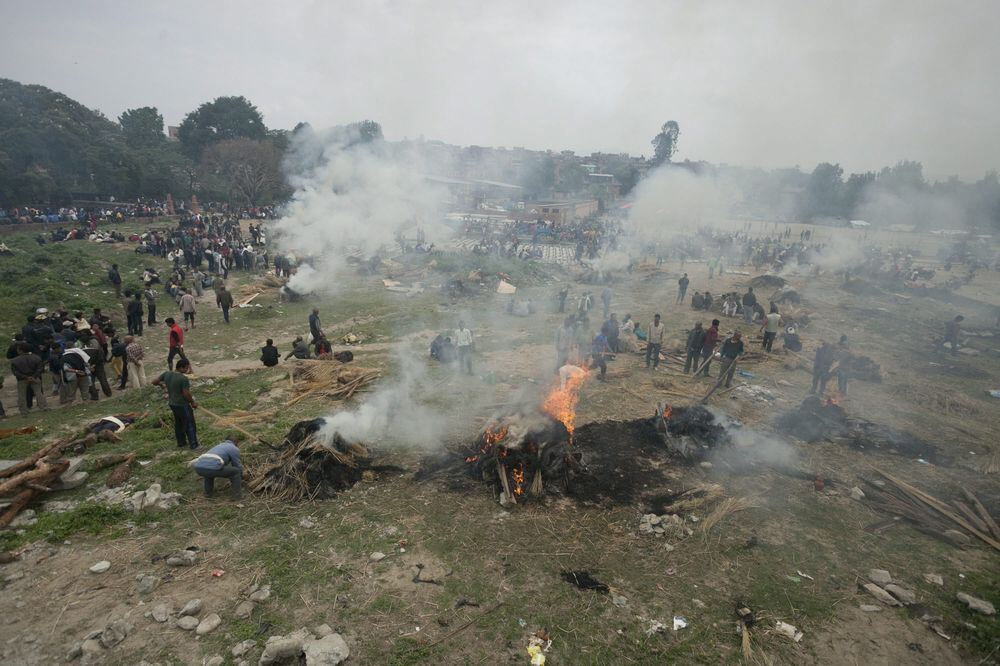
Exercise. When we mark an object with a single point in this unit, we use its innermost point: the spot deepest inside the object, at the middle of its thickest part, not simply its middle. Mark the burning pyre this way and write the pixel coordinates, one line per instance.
(690, 431)
(527, 452)
(310, 465)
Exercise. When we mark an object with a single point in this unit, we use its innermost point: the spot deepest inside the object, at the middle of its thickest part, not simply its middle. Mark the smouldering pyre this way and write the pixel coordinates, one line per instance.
(529, 451)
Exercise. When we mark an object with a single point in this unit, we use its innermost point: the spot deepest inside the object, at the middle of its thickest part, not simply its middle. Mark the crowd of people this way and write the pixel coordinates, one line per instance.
(110, 212)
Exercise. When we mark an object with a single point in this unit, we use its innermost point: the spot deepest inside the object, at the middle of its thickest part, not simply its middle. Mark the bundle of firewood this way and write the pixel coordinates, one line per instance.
(328, 380)
(952, 522)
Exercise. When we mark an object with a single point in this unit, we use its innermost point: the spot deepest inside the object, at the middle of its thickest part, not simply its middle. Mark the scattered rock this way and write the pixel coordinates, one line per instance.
(905, 596)
(278, 648)
(857, 493)
(182, 558)
(188, 623)
(960, 538)
(26, 518)
(376, 556)
(146, 584)
(881, 594)
(114, 633)
(879, 576)
(619, 600)
(161, 612)
(17, 575)
(151, 499)
(261, 595)
(91, 647)
(978, 605)
(192, 607)
(100, 567)
(209, 624)
(869, 608)
(75, 652)
(307, 523)
(327, 651)
(241, 649)
(322, 631)
(215, 661)
(934, 579)
(244, 610)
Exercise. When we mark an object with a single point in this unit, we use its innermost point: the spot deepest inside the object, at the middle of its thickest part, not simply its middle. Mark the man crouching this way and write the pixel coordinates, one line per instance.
(222, 460)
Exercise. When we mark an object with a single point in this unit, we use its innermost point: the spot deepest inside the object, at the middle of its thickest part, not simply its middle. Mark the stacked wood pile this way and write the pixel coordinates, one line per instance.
(328, 380)
(953, 522)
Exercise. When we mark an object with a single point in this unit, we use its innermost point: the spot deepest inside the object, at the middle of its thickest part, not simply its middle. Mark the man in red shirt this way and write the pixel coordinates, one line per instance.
(708, 347)
(176, 338)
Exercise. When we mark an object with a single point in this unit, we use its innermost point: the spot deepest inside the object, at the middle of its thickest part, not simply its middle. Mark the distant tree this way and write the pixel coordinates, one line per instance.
(572, 177)
(854, 190)
(142, 126)
(538, 176)
(221, 119)
(665, 143)
(249, 171)
(823, 193)
(905, 176)
(367, 131)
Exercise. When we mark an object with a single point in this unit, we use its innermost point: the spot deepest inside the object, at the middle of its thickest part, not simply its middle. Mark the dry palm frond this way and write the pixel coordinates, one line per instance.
(725, 508)
(991, 464)
(329, 379)
(246, 417)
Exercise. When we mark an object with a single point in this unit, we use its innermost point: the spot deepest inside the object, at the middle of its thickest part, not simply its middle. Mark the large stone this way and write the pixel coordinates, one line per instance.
(209, 624)
(91, 647)
(934, 579)
(241, 649)
(261, 595)
(976, 604)
(100, 567)
(327, 651)
(114, 633)
(161, 612)
(905, 596)
(279, 648)
(188, 623)
(75, 652)
(182, 558)
(244, 610)
(879, 576)
(322, 630)
(215, 661)
(881, 594)
(192, 607)
(146, 584)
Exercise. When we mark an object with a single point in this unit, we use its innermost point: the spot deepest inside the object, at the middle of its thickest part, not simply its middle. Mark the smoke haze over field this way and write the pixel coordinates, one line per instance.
(672, 200)
(859, 83)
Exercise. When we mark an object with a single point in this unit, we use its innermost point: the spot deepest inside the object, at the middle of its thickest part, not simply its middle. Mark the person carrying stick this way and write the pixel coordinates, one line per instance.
(731, 350)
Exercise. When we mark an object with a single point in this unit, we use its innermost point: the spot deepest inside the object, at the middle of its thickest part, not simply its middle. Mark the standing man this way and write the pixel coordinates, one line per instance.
(708, 347)
(952, 331)
(731, 350)
(76, 375)
(842, 355)
(682, 287)
(565, 337)
(770, 327)
(821, 366)
(150, 294)
(134, 311)
(749, 304)
(314, 324)
(564, 292)
(198, 278)
(463, 342)
(29, 370)
(606, 300)
(225, 302)
(599, 351)
(222, 460)
(695, 341)
(181, 403)
(187, 307)
(175, 340)
(135, 356)
(115, 278)
(654, 341)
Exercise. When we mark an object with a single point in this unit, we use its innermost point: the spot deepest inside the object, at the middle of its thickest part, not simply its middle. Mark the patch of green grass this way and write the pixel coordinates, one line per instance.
(87, 518)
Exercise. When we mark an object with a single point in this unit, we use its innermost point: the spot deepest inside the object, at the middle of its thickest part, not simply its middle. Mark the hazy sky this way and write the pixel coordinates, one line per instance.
(862, 83)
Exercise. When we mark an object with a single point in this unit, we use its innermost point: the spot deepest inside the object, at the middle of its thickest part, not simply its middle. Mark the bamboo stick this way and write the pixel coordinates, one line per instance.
(987, 518)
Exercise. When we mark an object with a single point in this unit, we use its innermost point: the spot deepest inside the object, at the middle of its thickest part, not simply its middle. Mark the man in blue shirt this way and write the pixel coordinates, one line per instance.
(221, 460)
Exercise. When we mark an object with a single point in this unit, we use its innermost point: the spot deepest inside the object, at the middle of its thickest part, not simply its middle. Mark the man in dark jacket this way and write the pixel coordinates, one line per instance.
(269, 354)
(708, 346)
(115, 278)
(731, 350)
(749, 305)
(225, 298)
(695, 342)
(682, 287)
(821, 365)
(135, 313)
(29, 370)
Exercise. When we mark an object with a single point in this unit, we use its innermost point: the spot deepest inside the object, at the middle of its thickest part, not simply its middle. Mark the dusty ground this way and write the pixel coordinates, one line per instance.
(507, 562)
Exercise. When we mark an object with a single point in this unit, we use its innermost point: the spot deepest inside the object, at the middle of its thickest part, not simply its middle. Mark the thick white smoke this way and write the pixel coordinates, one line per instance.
(673, 200)
(351, 196)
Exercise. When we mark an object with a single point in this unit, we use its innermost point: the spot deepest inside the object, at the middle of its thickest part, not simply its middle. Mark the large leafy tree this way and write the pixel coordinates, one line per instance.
(246, 170)
(142, 127)
(823, 195)
(221, 119)
(665, 143)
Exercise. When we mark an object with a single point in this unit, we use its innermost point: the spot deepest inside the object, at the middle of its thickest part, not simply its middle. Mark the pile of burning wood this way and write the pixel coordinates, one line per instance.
(690, 431)
(819, 419)
(528, 451)
(310, 464)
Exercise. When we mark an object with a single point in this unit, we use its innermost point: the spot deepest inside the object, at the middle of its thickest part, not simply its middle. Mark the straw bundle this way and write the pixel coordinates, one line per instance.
(329, 380)
(726, 508)
(313, 468)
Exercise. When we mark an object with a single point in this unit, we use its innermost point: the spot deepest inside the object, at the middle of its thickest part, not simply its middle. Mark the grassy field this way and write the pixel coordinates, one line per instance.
(796, 556)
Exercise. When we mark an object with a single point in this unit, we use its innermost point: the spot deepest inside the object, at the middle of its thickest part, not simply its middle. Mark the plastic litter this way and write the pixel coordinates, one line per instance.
(680, 622)
(788, 631)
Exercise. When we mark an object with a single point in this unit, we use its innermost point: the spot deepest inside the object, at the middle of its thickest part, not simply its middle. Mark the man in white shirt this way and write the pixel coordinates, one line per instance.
(463, 343)
(772, 322)
(655, 341)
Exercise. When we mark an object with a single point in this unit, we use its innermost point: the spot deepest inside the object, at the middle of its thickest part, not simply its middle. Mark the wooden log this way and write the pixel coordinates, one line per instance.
(502, 471)
(971, 515)
(19, 502)
(109, 460)
(43, 471)
(30, 461)
(983, 513)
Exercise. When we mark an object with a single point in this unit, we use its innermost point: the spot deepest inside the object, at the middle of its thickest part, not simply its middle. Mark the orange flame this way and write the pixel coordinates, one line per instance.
(667, 411)
(517, 474)
(560, 403)
(833, 399)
